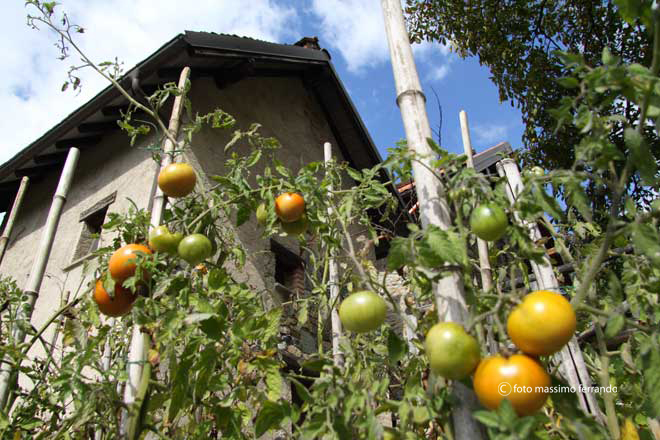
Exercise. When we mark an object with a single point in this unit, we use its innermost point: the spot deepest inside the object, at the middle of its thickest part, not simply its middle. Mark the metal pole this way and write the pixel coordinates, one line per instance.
(333, 279)
(433, 206)
(572, 362)
(482, 247)
(12, 216)
(137, 354)
(39, 266)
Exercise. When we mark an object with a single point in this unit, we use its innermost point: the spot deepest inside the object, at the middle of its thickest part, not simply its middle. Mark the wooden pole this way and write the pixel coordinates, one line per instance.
(139, 346)
(433, 206)
(482, 247)
(39, 266)
(572, 362)
(4, 240)
(333, 270)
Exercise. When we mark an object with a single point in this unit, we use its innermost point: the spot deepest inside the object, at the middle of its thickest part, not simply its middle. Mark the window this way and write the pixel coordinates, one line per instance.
(92, 220)
(289, 268)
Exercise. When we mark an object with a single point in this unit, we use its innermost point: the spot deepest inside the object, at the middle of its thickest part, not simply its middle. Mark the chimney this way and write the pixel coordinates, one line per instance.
(309, 43)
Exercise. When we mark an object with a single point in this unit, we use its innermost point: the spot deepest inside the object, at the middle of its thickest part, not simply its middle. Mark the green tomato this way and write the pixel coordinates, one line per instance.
(451, 351)
(162, 240)
(537, 171)
(488, 221)
(296, 228)
(262, 214)
(362, 311)
(195, 248)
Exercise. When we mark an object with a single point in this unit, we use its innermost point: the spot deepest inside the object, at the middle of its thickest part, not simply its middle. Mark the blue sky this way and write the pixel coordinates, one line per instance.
(351, 30)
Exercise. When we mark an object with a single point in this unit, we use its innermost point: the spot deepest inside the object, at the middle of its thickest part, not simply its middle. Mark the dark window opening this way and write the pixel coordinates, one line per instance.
(92, 220)
(289, 268)
(91, 233)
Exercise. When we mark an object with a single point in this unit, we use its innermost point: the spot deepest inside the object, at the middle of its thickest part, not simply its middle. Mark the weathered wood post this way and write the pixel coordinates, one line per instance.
(15, 208)
(139, 346)
(433, 206)
(39, 267)
(572, 362)
(333, 279)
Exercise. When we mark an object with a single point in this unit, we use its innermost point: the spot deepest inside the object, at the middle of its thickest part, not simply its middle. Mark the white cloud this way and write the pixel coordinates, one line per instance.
(488, 133)
(32, 76)
(438, 72)
(355, 29)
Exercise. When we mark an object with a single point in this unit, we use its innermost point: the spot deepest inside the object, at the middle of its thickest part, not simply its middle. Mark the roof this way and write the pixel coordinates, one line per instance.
(212, 55)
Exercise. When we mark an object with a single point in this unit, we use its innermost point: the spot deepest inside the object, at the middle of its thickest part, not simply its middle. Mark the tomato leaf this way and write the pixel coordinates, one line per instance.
(212, 327)
(396, 347)
(399, 253)
(270, 416)
(243, 214)
(651, 365)
(487, 418)
(615, 324)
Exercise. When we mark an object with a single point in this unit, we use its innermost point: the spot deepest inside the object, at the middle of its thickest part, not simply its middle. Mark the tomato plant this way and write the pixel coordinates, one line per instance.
(542, 324)
(520, 379)
(224, 340)
(289, 207)
(452, 352)
(177, 180)
(195, 248)
(117, 305)
(362, 311)
(488, 222)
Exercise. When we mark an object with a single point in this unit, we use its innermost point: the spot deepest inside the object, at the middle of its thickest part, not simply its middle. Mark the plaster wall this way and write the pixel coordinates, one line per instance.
(112, 166)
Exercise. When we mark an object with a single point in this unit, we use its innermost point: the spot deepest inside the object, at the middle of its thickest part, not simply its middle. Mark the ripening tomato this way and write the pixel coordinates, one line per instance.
(289, 207)
(122, 262)
(121, 304)
(452, 352)
(519, 378)
(162, 240)
(195, 248)
(488, 222)
(296, 228)
(177, 179)
(362, 311)
(542, 324)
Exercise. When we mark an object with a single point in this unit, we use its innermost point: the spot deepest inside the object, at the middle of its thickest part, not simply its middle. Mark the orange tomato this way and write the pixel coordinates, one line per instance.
(542, 324)
(120, 305)
(122, 263)
(519, 378)
(289, 207)
(177, 179)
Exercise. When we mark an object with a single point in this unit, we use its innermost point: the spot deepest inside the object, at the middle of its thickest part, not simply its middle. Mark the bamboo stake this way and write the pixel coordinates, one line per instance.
(4, 240)
(140, 341)
(333, 280)
(572, 362)
(482, 246)
(433, 206)
(39, 266)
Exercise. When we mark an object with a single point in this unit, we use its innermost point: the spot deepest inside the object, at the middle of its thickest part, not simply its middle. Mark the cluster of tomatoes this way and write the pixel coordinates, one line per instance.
(175, 180)
(539, 326)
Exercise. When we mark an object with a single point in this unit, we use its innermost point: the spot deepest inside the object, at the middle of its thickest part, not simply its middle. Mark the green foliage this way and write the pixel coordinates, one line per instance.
(220, 351)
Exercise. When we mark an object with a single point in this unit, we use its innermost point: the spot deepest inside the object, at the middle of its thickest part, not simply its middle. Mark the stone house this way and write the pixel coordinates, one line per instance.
(292, 90)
